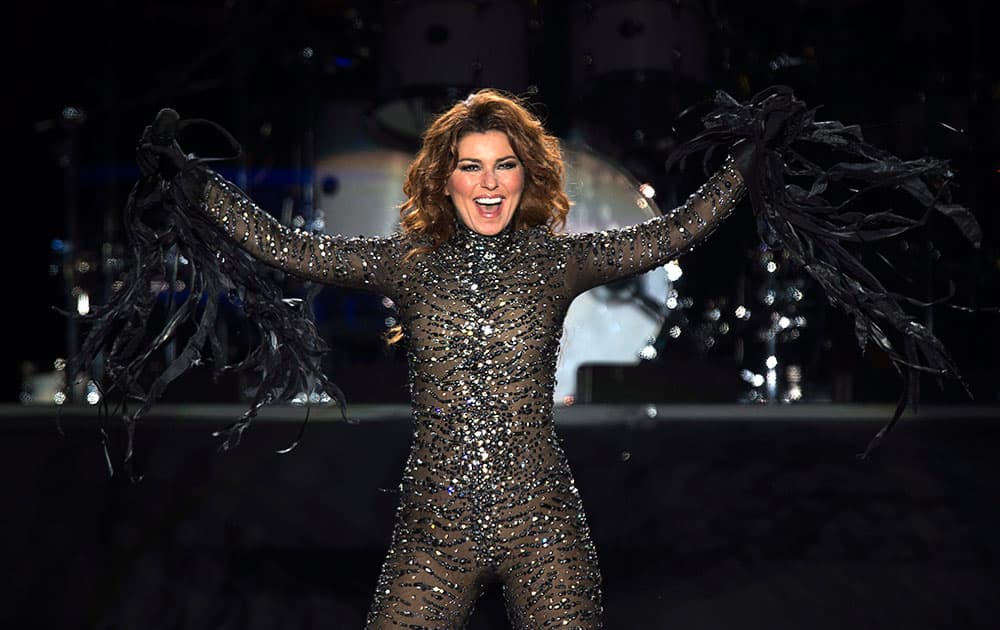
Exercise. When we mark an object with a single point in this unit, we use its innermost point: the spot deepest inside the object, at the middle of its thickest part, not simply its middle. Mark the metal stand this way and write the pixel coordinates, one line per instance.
(71, 119)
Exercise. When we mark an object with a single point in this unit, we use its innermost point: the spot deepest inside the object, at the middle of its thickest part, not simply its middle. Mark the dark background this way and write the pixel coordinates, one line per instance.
(704, 517)
(904, 71)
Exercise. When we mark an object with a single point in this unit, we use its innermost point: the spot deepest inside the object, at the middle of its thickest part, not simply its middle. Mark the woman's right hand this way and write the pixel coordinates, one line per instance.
(157, 152)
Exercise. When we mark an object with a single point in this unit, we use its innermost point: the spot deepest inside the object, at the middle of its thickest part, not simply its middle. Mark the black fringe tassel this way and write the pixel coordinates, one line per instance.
(814, 223)
(171, 238)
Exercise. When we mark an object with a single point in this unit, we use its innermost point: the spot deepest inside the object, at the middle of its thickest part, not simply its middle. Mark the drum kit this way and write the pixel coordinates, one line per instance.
(436, 52)
(608, 324)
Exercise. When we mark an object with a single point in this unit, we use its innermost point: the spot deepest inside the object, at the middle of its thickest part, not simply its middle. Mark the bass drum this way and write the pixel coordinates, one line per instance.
(434, 52)
(610, 324)
(360, 193)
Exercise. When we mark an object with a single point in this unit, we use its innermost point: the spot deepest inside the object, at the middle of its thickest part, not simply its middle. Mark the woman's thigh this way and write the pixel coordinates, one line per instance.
(549, 570)
(431, 576)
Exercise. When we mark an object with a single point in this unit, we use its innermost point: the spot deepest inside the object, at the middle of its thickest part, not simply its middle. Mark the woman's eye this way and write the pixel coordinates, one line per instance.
(468, 167)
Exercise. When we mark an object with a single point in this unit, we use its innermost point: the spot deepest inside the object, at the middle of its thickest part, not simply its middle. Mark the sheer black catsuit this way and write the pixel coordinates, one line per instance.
(486, 493)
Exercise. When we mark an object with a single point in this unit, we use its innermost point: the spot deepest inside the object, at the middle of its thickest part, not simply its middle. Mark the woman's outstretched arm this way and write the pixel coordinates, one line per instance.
(595, 258)
(184, 215)
(358, 262)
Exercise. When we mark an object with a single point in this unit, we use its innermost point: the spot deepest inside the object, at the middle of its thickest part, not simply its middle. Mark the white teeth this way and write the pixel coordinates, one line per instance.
(489, 201)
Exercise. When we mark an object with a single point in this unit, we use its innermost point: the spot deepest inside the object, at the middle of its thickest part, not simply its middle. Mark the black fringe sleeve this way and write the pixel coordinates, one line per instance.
(171, 239)
(808, 181)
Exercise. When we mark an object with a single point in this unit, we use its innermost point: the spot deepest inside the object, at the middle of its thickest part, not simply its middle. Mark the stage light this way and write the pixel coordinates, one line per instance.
(674, 271)
(82, 303)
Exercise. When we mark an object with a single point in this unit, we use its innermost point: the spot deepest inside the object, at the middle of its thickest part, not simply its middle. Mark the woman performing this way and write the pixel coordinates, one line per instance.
(482, 282)
(482, 279)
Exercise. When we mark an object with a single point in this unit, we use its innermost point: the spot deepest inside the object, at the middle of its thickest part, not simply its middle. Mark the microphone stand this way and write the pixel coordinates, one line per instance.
(71, 119)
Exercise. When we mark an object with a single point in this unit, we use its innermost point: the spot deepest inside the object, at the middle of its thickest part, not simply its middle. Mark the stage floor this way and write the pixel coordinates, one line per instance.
(584, 413)
(704, 516)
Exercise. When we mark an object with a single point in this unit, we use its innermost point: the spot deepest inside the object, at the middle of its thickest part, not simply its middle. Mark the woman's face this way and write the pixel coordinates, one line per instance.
(487, 182)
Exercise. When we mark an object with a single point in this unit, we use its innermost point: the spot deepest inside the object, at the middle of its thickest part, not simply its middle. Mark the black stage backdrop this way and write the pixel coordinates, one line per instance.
(295, 80)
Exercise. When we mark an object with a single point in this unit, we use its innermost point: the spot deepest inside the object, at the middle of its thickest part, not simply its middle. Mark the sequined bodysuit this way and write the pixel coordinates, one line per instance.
(487, 494)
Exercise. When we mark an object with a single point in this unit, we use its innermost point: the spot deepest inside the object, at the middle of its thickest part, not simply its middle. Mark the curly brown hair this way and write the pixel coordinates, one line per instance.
(427, 211)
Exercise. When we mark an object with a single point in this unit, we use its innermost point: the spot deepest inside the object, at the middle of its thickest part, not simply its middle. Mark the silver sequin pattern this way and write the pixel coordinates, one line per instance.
(487, 494)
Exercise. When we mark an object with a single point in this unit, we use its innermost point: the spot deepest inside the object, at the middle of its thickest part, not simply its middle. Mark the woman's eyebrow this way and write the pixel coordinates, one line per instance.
(506, 157)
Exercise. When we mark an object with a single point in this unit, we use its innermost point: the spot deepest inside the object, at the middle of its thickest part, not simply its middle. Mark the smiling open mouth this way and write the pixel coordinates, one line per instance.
(489, 207)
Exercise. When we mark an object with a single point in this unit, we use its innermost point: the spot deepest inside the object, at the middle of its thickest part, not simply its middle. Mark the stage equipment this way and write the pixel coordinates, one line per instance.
(634, 66)
(436, 52)
(774, 373)
(641, 36)
(611, 324)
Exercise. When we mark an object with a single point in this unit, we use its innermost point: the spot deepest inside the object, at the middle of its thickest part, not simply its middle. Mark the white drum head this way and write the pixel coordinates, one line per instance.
(604, 325)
